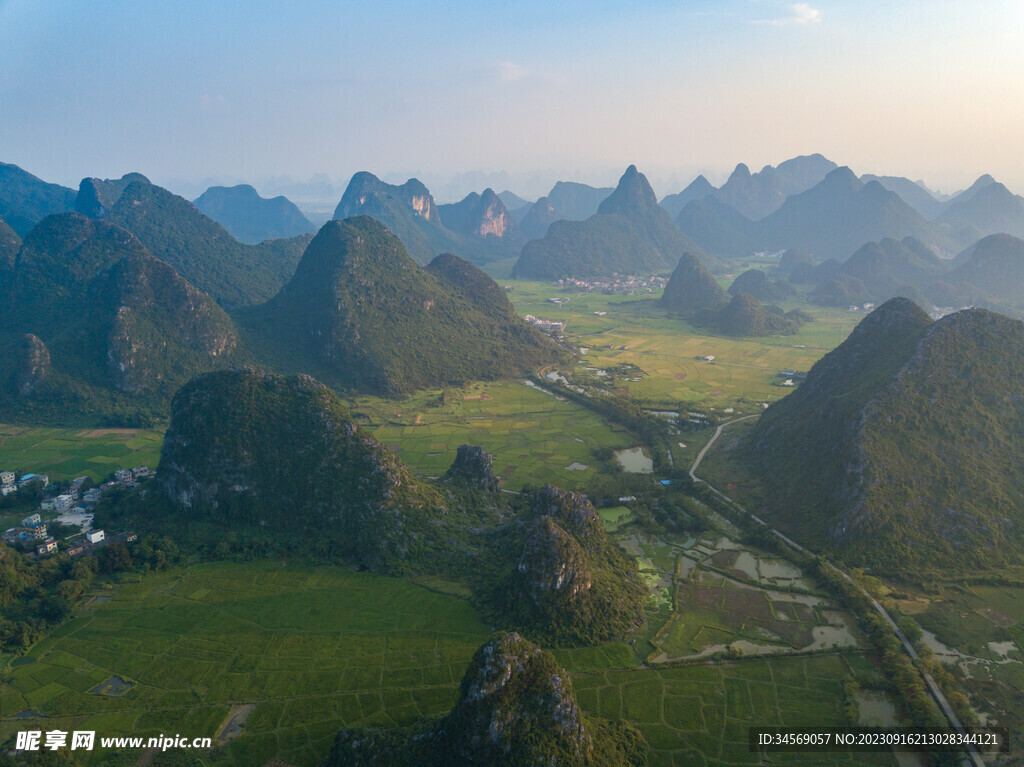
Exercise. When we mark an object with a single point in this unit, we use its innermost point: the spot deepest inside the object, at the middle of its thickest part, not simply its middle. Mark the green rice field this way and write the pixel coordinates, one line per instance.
(306, 651)
(535, 438)
(699, 715)
(68, 453)
(315, 649)
(667, 350)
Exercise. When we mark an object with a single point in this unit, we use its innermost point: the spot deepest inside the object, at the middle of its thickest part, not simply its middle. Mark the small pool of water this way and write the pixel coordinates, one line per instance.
(635, 460)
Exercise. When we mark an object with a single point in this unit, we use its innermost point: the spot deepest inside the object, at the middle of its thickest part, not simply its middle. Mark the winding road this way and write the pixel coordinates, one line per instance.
(933, 687)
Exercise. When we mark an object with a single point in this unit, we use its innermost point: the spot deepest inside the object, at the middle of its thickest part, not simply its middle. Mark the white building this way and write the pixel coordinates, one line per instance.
(95, 536)
(7, 477)
(123, 475)
(64, 502)
(31, 520)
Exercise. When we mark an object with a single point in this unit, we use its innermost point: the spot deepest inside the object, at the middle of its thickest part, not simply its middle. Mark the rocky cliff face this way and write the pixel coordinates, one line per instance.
(516, 708)
(515, 704)
(34, 371)
(473, 466)
(97, 196)
(480, 215)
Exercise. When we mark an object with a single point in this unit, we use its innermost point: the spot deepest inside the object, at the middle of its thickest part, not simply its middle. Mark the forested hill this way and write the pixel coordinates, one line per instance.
(361, 315)
(903, 449)
(201, 250)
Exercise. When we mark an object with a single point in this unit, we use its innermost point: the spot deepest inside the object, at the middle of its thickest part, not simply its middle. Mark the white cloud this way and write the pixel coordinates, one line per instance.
(210, 103)
(799, 13)
(511, 72)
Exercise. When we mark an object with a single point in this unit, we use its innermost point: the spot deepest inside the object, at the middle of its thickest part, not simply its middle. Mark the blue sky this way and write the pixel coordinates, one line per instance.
(249, 90)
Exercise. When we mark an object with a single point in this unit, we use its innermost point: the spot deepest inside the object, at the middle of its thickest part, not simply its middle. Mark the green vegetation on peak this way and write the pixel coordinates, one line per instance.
(630, 234)
(901, 449)
(10, 244)
(566, 582)
(756, 284)
(362, 315)
(254, 449)
(26, 200)
(692, 288)
(200, 249)
(120, 329)
(250, 218)
(516, 707)
(884, 267)
(745, 316)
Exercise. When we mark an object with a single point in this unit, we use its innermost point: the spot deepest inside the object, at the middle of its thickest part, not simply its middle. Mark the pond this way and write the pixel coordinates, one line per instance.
(635, 460)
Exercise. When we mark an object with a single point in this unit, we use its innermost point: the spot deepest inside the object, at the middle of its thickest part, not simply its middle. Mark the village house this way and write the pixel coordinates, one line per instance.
(38, 531)
(49, 546)
(142, 472)
(6, 490)
(76, 549)
(6, 477)
(95, 536)
(122, 475)
(31, 520)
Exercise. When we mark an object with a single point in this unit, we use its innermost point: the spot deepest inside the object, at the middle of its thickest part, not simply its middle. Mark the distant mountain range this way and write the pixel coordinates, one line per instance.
(26, 200)
(831, 220)
(901, 450)
(755, 195)
(481, 228)
(629, 234)
(989, 274)
(567, 201)
(250, 218)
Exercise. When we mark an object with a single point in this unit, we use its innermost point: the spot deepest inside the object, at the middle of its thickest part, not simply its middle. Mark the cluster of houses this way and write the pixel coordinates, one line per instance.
(549, 326)
(12, 483)
(74, 507)
(616, 284)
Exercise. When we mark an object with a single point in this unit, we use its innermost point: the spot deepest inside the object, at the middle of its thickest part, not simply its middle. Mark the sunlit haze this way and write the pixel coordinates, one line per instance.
(465, 95)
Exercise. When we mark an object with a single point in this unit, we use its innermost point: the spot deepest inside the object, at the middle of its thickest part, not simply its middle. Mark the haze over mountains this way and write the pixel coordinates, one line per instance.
(250, 218)
(629, 234)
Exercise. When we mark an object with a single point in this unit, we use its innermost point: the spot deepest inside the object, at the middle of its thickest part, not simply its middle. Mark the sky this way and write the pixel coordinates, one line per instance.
(462, 94)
